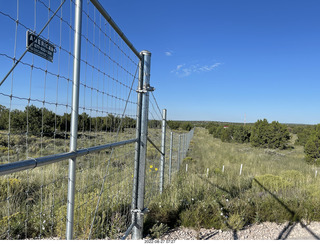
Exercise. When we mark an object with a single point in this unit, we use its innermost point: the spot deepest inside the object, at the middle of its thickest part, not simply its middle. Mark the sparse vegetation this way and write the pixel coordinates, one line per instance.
(274, 186)
(182, 125)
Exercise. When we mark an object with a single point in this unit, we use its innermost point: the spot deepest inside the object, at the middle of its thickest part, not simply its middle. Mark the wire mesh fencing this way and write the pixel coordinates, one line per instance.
(37, 102)
(175, 150)
(36, 117)
(35, 108)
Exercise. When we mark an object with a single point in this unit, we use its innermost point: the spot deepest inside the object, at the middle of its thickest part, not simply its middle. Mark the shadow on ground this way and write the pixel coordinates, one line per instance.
(289, 227)
(283, 235)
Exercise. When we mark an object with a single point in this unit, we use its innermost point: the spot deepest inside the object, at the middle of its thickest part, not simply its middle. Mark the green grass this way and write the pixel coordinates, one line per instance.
(33, 203)
(275, 185)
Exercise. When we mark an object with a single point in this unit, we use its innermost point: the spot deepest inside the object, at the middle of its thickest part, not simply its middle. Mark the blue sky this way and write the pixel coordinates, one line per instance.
(220, 60)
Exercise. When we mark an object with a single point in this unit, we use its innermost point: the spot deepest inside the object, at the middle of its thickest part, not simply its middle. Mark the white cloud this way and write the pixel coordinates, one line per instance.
(168, 54)
(209, 67)
(182, 70)
(179, 66)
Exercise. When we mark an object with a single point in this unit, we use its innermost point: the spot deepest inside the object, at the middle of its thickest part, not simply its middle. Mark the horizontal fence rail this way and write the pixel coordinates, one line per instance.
(84, 145)
(115, 27)
(38, 162)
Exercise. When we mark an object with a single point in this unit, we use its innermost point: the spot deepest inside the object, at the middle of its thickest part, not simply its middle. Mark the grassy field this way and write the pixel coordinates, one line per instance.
(274, 185)
(33, 202)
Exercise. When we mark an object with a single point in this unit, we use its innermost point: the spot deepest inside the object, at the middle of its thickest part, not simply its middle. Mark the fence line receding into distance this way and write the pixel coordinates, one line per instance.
(75, 128)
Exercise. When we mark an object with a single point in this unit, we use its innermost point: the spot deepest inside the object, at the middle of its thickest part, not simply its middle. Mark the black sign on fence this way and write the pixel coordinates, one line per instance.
(40, 47)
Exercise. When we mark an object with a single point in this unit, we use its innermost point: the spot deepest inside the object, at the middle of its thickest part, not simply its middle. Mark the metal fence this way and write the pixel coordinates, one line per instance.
(76, 99)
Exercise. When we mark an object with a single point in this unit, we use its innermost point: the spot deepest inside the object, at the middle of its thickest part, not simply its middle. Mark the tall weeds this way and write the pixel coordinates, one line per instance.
(273, 186)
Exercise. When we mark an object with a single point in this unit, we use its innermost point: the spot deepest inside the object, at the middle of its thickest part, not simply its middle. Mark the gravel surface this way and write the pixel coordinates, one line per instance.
(263, 231)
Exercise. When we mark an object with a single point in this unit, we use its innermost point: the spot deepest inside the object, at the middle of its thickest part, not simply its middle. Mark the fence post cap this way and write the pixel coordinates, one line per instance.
(145, 52)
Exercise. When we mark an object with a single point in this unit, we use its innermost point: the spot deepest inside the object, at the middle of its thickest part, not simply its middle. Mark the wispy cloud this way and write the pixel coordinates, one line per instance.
(209, 67)
(168, 53)
(183, 70)
(179, 66)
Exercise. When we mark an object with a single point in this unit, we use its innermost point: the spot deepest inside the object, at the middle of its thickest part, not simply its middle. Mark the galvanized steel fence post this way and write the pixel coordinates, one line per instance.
(137, 231)
(163, 149)
(184, 146)
(74, 118)
(137, 146)
(170, 156)
(179, 147)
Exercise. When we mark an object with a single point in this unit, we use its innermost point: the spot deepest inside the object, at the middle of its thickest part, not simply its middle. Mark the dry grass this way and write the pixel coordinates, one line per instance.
(274, 185)
(33, 202)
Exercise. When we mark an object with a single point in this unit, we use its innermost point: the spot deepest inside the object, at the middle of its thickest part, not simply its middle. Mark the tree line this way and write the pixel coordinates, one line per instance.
(183, 125)
(41, 121)
(260, 134)
(271, 135)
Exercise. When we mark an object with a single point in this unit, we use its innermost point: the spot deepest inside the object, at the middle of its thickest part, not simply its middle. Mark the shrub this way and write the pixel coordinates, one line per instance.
(236, 222)
(186, 126)
(161, 212)
(312, 147)
(267, 135)
(242, 134)
(174, 125)
(304, 135)
(14, 224)
(158, 230)
(293, 177)
(270, 209)
(13, 185)
(108, 222)
(226, 135)
(202, 214)
(270, 182)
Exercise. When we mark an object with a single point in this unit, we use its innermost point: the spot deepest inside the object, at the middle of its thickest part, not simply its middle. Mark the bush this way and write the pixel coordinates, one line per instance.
(161, 212)
(16, 224)
(303, 136)
(270, 209)
(158, 230)
(312, 147)
(242, 134)
(293, 177)
(236, 222)
(272, 183)
(186, 126)
(109, 222)
(11, 187)
(226, 135)
(267, 135)
(202, 214)
(174, 125)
